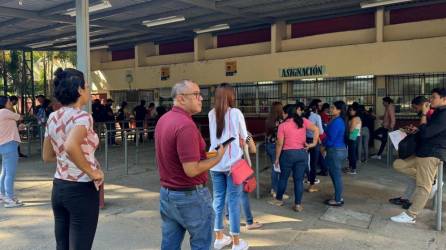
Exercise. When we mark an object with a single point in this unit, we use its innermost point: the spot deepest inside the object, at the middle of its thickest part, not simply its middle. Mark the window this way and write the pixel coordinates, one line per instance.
(257, 98)
(402, 89)
(349, 89)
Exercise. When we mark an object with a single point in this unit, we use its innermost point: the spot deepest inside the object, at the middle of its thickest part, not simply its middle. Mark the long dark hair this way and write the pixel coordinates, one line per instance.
(292, 114)
(340, 105)
(354, 108)
(275, 115)
(224, 99)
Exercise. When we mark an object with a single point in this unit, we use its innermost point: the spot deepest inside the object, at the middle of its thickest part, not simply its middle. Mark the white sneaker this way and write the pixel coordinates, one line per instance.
(376, 157)
(284, 196)
(403, 218)
(242, 245)
(225, 241)
(10, 203)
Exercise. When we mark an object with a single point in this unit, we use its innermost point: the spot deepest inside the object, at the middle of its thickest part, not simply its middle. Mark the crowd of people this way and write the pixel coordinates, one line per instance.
(302, 141)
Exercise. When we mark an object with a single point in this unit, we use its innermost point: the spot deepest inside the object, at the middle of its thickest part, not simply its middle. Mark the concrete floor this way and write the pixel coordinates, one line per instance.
(131, 219)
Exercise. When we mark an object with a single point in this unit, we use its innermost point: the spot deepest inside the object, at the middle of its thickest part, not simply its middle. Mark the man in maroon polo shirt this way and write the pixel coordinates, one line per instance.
(185, 202)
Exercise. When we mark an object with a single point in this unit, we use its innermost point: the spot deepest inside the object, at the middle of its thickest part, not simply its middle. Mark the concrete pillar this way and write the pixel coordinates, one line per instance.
(278, 33)
(202, 42)
(379, 24)
(142, 51)
(83, 43)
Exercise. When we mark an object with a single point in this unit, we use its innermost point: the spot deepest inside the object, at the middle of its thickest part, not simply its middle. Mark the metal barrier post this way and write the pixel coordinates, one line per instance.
(137, 136)
(439, 196)
(389, 151)
(258, 170)
(106, 149)
(28, 136)
(126, 159)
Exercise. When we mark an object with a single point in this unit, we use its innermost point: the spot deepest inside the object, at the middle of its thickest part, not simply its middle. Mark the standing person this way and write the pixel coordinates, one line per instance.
(225, 122)
(9, 141)
(71, 142)
(314, 152)
(366, 126)
(272, 123)
(123, 118)
(140, 116)
(324, 113)
(291, 153)
(336, 151)
(110, 122)
(354, 131)
(388, 125)
(325, 117)
(431, 151)
(14, 100)
(185, 201)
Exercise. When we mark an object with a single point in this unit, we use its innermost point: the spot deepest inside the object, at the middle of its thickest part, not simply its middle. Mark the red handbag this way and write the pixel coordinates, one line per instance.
(241, 171)
(250, 184)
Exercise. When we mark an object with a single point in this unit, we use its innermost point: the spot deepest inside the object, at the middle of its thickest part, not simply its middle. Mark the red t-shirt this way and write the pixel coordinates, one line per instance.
(177, 141)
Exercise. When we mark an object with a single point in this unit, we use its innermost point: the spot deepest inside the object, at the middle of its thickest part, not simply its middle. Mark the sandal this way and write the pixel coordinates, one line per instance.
(334, 203)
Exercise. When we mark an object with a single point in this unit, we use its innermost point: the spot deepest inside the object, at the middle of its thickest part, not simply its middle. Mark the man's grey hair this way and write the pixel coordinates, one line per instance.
(180, 87)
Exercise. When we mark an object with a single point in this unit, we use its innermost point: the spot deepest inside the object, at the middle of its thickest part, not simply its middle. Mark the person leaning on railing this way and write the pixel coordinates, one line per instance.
(430, 152)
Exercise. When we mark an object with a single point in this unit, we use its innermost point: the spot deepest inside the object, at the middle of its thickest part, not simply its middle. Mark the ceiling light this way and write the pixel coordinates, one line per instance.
(40, 44)
(212, 28)
(365, 77)
(100, 6)
(99, 47)
(164, 20)
(378, 3)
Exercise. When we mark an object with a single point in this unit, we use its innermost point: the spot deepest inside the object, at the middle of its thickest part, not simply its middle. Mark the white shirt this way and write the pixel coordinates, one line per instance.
(235, 126)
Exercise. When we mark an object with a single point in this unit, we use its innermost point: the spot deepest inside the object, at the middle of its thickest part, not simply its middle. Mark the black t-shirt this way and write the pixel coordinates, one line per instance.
(140, 113)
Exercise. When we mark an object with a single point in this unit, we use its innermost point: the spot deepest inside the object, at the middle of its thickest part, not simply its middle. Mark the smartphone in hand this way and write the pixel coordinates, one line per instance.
(226, 142)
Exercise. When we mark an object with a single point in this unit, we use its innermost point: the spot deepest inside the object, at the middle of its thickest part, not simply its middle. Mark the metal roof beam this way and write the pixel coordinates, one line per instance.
(211, 5)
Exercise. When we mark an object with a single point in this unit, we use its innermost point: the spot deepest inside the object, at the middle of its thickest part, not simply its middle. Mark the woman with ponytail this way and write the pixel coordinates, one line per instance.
(336, 150)
(292, 153)
(9, 141)
(71, 142)
(225, 122)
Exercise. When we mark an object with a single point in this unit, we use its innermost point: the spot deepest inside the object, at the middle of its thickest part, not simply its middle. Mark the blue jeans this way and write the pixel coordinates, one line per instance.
(224, 187)
(188, 210)
(10, 159)
(246, 206)
(271, 152)
(334, 160)
(295, 161)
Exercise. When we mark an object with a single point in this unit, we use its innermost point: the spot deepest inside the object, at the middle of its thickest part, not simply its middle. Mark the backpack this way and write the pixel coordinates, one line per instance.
(407, 147)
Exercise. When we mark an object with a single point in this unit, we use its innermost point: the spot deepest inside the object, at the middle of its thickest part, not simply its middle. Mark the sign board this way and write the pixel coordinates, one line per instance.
(165, 73)
(316, 70)
(231, 68)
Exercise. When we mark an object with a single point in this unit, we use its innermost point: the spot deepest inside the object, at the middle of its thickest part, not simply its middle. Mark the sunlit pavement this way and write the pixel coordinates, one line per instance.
(131, 218)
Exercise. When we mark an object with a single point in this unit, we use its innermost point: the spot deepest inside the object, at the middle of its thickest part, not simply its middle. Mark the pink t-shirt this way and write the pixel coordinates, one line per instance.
(294, 137)
(8, 125)
(58, 127)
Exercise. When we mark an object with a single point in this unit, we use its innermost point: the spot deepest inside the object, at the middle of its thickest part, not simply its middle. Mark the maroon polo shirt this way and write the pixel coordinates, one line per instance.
(178, 141)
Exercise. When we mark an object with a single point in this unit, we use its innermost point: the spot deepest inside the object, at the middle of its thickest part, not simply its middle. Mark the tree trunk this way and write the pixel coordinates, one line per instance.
(5, 75)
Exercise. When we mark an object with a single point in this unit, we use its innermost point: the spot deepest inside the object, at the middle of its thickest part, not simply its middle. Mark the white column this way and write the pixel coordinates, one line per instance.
(83, 43)
(278, 33)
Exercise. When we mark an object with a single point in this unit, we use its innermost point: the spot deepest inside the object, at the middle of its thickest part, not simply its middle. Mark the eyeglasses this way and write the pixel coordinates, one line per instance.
(196, 94)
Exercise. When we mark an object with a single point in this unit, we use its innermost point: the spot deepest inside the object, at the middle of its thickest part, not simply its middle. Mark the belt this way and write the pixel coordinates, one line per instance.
(185, 189)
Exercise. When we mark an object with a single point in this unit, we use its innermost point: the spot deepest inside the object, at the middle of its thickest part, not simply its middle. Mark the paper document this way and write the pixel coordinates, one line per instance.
(396, 137)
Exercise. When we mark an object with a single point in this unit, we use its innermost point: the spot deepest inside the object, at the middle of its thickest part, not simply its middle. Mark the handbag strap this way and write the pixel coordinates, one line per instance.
(229, 116)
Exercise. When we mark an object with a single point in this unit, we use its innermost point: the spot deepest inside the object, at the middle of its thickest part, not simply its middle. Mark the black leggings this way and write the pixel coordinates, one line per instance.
(381, 134)
(76, 211)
